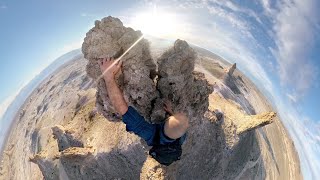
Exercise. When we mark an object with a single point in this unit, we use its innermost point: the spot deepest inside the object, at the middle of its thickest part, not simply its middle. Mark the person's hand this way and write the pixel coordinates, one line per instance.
(109, 67)
(167, 106)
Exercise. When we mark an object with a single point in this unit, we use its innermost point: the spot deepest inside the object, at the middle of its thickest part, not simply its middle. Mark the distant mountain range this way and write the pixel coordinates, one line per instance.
(7, 119)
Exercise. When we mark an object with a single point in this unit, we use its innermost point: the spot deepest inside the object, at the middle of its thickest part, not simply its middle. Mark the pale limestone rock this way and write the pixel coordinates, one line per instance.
(236, 121)
(48, 164)
(176, 80)
(229, 80)
(110, 38)
(255, 121)
(152, 170)
(65, 138)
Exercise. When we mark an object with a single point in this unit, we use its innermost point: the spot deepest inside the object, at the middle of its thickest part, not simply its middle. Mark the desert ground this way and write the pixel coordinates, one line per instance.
(67, 98)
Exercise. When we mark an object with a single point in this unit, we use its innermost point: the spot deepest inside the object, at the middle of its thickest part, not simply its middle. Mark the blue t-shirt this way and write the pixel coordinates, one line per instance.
(137, 124)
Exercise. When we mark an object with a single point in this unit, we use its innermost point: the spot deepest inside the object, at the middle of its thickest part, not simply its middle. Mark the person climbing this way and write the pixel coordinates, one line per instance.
(165, 138)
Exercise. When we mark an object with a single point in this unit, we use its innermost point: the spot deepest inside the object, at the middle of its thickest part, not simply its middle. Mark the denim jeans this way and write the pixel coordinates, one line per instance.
(136, 123)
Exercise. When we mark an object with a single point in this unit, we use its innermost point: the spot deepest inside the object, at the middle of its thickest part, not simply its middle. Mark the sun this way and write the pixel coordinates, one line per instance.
(156, 23)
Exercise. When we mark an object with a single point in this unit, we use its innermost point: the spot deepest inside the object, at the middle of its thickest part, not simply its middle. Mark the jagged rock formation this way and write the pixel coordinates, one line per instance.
(68, 146)
(255, 121)
(48, 164)
(110, 38)
(219, 127)
(108, 150)
(231, 69)
(175, 82)
(65, 138)
(228, 79)
(86, 163)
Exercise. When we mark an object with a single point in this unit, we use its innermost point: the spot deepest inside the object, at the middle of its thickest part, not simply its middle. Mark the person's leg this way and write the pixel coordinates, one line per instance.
(137, 124)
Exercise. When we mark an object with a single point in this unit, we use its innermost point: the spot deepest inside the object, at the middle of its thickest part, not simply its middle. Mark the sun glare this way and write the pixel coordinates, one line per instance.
(156, 23)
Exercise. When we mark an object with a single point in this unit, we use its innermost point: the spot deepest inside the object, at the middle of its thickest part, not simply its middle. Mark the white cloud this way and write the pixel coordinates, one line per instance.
(87, 15)
(234, 7)
(266, 6)
(292, 97)
(294, 31)
(228, 43)
(229, 17)
(306, 139)
(217, 8)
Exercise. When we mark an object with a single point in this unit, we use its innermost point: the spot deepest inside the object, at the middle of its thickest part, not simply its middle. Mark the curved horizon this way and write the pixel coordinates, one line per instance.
(264, 38)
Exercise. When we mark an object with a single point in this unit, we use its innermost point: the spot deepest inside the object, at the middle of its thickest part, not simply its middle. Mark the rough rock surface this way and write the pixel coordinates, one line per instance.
(229, 80)
(231, 69)
(175, 82)
(65, 138)
(110, 38)
(255, 121)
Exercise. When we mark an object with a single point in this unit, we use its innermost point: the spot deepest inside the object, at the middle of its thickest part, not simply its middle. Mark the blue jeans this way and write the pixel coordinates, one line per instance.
(136, 123)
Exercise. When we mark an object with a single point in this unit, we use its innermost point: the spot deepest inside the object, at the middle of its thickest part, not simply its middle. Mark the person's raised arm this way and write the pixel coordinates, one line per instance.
(109, 68)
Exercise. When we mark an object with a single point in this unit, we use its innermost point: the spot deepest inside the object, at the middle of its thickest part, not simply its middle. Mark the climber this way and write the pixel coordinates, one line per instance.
(166, 138)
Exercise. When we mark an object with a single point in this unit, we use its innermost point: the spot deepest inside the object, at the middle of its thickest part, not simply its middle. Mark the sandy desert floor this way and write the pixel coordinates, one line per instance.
(68, 97)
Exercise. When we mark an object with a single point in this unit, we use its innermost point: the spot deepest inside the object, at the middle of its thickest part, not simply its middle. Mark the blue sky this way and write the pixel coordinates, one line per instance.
(276, 43)
(34, 33)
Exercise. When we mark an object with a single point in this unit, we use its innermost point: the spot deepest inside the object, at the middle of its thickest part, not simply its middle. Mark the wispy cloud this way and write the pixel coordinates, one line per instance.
(228, 42)
(207, 32)
(305, 135)
(229, 17)
(87, 15)
(295, 30)
(292, 98)
(266, 4)
(219, 9)
(238, 9)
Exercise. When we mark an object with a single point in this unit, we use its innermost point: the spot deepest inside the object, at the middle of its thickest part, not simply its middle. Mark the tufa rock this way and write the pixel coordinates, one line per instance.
(65, 138)
(48, 165)
(229, 80)
(187, 90)
(176, 80)
(87, 163)
(231, 69)
(236, 121)
(110, 38)
(251, 122)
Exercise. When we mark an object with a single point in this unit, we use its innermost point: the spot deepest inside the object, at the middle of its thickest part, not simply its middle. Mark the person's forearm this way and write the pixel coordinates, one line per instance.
(116, 96)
